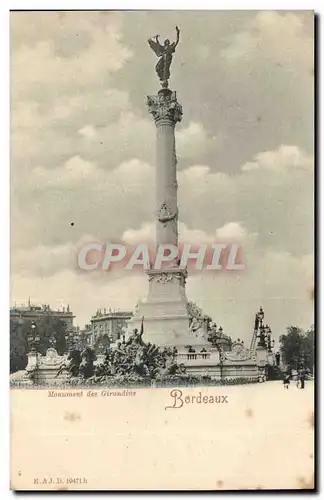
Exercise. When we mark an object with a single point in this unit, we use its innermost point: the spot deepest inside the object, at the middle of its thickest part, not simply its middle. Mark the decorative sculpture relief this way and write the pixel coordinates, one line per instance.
(238, 353)
(164, 278)
(51, 359)
(164, 214)
(195, 325)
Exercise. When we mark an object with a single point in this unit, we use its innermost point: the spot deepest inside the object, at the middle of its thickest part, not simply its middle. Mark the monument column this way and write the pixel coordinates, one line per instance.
(166, 112)
(165, 310)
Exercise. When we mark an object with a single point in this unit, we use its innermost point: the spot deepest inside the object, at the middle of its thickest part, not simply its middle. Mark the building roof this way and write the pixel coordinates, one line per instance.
(37, 309)
(111, 314)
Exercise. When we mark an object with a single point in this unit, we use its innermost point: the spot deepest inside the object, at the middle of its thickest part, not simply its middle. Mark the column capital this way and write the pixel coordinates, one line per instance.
(164, 107)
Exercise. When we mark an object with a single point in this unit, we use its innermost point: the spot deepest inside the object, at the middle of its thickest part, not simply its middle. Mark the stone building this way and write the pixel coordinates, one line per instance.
(109, 322)
(34, 313)
(80, 337)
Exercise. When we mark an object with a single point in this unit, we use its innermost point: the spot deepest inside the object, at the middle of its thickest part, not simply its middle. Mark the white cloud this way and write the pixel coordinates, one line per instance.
(39, 64)
(196, 172)
(42, 260)
(199, 182)
(130, 176)
(75, 170)
(88, 131)
(231, 232)
(272, 35)
(145, 234)
(285, 157)
(193, 140)
(134, 173)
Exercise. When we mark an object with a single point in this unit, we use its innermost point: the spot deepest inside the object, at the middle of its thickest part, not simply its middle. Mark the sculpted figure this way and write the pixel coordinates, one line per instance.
(164, 52)
(86, 368)
(71, 364)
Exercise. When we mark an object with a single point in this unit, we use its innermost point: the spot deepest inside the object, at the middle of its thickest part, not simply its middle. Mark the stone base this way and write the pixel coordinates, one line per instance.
(165, 311)
(219, 367)
(226, 373)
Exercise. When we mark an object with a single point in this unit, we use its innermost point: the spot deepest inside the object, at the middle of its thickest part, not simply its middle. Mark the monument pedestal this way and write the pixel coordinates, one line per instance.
(165, 310)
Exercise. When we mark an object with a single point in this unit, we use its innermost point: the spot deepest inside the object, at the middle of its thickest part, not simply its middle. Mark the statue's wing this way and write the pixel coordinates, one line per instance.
(156, 47)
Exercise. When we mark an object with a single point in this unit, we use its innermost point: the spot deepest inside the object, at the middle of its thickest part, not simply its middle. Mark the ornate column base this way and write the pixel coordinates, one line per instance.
(165, 312)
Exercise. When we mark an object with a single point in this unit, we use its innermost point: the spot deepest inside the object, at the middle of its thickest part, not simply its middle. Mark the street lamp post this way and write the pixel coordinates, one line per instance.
(220, 352)
(261, 316)
(220, 362)
(268, 337)
(33, 337)
(262, 336)
(33, 340)
(70, 340)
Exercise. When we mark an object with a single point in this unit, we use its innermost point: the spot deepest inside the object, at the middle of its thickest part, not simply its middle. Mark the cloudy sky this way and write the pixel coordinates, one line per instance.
(82, 152)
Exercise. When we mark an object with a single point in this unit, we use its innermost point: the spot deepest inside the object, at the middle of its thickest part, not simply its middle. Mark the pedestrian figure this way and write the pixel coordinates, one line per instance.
(286, 380)
(302, 380)
(204, 353)
(298, 381)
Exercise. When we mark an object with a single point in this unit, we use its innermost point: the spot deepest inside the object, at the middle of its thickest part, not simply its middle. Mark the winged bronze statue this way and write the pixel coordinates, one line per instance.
(164, 53)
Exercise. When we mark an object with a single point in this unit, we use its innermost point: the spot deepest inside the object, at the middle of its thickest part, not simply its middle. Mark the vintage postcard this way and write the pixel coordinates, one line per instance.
(162, 238)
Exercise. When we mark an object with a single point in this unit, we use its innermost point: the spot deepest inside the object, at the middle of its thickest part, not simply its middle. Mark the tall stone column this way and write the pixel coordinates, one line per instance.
(166, 112)
(165, 310)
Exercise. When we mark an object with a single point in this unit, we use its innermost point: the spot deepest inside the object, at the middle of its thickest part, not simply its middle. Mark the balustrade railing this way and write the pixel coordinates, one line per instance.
(193, 355)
